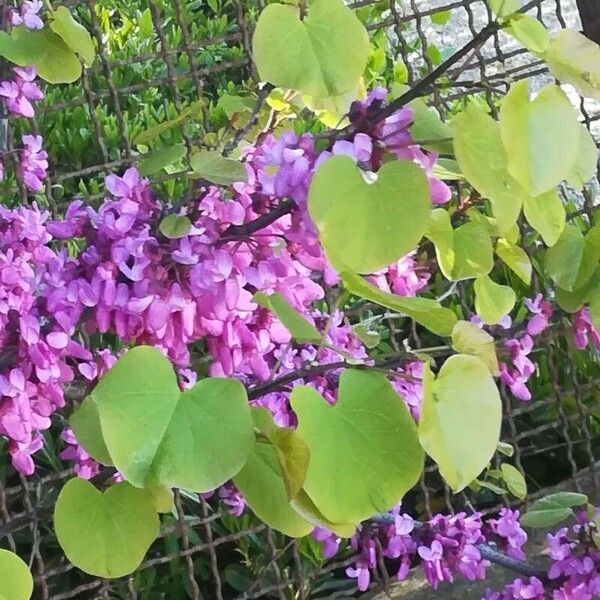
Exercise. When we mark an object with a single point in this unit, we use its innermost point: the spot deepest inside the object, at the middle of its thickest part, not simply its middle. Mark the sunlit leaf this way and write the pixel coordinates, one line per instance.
(492, 300)
(460, 419)
(428, 130)
(105, 534)
(515, 258)
(85, 422)
(16, 582)
(563, 259)
(530, 32)
(73, 33)
(467, 338)
(364, 451)
(546, 214)
(365, 227)
(313, 55)
(213, 167)
(586, 162)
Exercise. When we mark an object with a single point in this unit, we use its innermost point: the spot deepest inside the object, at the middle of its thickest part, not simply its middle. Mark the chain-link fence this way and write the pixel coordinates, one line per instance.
(203, 552)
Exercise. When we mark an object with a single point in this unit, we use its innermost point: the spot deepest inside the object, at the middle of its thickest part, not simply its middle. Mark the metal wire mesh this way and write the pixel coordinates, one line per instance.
(202, 551)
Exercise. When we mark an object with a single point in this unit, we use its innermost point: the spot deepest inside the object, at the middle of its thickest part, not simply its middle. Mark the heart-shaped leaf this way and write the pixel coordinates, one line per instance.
(364, 451)
(539, 157)
(105, 534)
(73, 34)
(301, 329)
(492, 300)
(467, 338)
(427, 312)
(365, 227)
(464, 252)
(85, 422)
(157, 435)
(460, 420)
(313, 56)
(16, 582)
(575, 59)
(483, 160)
(214, 167)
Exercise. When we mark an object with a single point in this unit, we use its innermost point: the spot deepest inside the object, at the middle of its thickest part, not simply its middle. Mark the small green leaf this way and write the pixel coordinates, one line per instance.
(175, 227)
(539, 157)
(85, 422)
(515, 258)
(460, 419)
(429, 313)
(441, 17)
(313, 55)
(364, 451)
(263, 487)
(300, 329)
(16, 582)
(530, 32)
(492, 487)
(573, 58)
(467, 338)
(73, 34)
(587, 160)
(105, 534)
(213, 167)
(515, 482)
(157, 435)
(150, 135)
(428, 129)
(505, 449)
(484, 162)
(503, 8)
(492, 300)
(552, 509)
(365, 227)
(145, 24)
(161, 158)
(369, 337)
(546, 214)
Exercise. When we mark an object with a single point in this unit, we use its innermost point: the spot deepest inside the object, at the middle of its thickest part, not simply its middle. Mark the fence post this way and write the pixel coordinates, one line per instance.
(589, 11)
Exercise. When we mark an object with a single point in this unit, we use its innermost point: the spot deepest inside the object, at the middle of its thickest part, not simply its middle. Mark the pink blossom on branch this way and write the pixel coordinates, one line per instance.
(20, 92)
(28, 14)
(33, 165)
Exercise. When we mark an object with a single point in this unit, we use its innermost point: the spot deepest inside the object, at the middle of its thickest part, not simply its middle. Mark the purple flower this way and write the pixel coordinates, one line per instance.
(542, 311)
(362, 575)
(28, 14)
(34, 163)
(330, 542)
(21, 91)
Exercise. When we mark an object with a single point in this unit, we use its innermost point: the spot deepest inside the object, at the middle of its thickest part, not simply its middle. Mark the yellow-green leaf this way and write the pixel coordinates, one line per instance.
(492, 300)
(515, 482)
(530, 32)
(73, 33)
(16, 582)
(467, 338)
(546, 214)
(515, 258)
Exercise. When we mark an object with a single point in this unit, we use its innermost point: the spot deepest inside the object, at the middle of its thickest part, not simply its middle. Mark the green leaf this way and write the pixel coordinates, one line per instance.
(73, 34)
(467, 338)
(175, 227)
(505, 449)
(301, 329)
(441, 17)
(312, 56)
(484, 162)
(263, 487)
(145, 24)
(530, 32)
(546, 214)
(16, 582)
(460, 419)
(573, 58)
(54, 60)
(428, 129)
(85, 422)
(162, 497)
(462, 253)
(157, 435)
(365, 227)
(364, 451)
(447, 169)
(306, 508)
(213, 167)
(369, 337)
(105, 534)
(552, 509)
(161, 158)
(515, 258)
(492, 487)
(150, 135)
(539, 157)
(428, 313)
(563, 259)
(492, 300)
(515, 482)
(586, 162)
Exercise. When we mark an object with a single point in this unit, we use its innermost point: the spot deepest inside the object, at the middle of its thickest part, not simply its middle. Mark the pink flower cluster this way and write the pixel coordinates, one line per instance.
(444, 545)
(20, 92)
(516, 378)
(584, 329)
(28, 14)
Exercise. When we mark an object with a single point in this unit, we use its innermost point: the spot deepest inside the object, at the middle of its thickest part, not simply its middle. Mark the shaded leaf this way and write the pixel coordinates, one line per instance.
(213, 167)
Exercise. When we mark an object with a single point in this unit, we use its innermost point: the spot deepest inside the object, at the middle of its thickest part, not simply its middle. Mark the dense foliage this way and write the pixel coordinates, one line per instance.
(315, 317)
